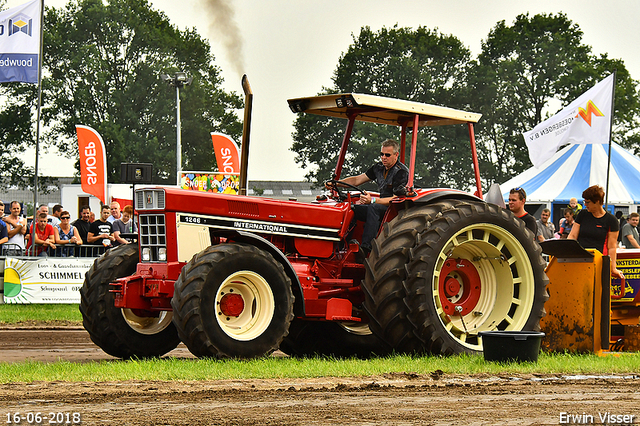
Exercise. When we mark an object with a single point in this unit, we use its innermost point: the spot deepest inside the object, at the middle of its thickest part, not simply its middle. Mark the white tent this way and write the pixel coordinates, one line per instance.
(577, 167)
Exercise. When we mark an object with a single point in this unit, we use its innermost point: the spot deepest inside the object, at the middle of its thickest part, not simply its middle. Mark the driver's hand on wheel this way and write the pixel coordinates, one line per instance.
(329, 184)
(365, 198)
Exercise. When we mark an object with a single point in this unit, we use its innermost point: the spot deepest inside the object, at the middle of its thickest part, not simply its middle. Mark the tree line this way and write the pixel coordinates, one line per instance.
(524, 72)
(102, 65)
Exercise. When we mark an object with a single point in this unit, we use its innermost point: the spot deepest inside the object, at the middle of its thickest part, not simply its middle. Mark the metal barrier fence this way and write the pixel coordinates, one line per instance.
(61, 250)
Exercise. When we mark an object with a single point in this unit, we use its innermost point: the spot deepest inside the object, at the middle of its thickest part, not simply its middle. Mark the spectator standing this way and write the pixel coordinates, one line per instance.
(50, 219)
(82, 224)
(545, 228)
(4, 235)
(16, 228)
(517, 200)
(124, 225)
(55, 212)
(566, 224)
(623, 222)
(101, 230)
(45, 236)
(115, 212)
(596, 228)
(65, 233)
(630, 238)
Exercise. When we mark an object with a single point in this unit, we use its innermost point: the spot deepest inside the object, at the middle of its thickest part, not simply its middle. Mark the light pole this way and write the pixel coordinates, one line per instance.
(178, 80)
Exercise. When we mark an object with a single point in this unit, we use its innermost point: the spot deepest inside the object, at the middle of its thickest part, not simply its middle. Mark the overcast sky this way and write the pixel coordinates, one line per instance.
(290, 48)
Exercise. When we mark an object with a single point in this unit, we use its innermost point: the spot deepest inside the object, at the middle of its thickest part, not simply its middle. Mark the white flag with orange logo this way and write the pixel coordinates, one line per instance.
(93, 162)
(587, 120)
(227, 154)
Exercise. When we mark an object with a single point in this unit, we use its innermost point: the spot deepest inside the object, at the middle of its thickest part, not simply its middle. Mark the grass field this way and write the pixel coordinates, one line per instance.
(40, 314)
(273, 367)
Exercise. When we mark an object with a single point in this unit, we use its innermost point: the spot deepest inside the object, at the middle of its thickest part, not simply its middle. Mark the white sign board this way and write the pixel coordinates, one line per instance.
(46, 280)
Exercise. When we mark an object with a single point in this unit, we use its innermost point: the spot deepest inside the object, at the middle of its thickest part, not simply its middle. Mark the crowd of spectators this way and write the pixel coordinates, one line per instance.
(56, 234)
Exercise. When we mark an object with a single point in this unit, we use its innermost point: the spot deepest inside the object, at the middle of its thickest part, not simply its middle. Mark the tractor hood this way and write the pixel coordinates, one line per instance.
(378, 109)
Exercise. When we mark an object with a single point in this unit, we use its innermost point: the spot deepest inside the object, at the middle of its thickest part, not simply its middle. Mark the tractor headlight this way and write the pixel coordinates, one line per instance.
(146, 254)
(162, 254)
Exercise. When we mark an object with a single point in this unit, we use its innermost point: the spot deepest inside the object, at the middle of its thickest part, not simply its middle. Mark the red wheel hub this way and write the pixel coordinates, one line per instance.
(459, 285)
(231, 305)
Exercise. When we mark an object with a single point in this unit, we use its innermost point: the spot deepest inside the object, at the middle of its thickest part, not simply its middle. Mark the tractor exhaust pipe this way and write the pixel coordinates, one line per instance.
(246, 130)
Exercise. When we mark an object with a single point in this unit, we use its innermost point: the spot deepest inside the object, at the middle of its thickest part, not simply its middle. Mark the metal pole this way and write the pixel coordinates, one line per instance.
(178, 135)
(35, 178)
(474, 157)
(613, 100)
(246, 135)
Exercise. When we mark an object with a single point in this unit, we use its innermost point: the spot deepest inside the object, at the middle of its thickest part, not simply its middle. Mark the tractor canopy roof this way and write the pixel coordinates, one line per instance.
(378, 109)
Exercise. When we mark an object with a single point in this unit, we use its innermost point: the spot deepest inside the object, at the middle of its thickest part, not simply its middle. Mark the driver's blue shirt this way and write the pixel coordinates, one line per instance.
(387, 180)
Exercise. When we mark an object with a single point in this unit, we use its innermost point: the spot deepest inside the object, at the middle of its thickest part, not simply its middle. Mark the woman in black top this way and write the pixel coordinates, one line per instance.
(596, 228)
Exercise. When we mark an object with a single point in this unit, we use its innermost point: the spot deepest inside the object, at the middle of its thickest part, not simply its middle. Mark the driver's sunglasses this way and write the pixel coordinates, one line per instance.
(385, 154)
(65, 217)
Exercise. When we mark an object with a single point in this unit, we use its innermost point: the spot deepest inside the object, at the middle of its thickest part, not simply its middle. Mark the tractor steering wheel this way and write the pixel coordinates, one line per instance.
(341, 196)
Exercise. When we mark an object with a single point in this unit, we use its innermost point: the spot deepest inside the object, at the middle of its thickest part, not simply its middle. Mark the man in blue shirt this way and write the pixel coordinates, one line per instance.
(4, 234)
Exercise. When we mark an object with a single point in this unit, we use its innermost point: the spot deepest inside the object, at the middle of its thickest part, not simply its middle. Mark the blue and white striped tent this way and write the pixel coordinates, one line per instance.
(575, 168)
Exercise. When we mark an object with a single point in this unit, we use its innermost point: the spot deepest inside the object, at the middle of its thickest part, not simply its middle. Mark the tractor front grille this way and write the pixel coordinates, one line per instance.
(153, 237)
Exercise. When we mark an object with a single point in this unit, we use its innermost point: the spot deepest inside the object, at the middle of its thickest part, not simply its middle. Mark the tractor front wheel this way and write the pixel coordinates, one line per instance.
(232, 301)
(123, 333)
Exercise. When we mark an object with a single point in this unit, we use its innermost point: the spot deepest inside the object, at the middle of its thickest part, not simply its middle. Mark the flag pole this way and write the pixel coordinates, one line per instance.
(35, 178)
(613, 99)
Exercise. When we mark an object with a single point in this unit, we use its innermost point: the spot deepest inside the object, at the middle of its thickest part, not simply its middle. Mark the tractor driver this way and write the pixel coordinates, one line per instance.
(391, 176)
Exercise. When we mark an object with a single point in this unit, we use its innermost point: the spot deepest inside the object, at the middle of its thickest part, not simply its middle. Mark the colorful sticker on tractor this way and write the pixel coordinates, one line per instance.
(631, 270)
(211, 182)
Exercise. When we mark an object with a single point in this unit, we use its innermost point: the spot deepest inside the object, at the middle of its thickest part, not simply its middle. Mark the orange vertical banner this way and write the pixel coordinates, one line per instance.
(227, 153)
(93, 162)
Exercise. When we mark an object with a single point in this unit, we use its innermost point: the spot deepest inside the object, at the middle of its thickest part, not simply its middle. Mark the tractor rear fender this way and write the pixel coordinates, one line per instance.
(258, 241)
(450, 194)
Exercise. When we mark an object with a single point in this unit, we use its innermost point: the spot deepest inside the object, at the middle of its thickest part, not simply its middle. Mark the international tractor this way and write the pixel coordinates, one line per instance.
(237, 276)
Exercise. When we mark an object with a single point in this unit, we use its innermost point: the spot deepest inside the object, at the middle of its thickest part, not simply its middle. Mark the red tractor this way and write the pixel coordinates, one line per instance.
(239, 276)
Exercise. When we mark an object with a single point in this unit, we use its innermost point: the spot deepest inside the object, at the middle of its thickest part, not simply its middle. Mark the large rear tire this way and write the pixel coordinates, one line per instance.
(122, 333)
(385, 273)
(474, 268)
(232, 301)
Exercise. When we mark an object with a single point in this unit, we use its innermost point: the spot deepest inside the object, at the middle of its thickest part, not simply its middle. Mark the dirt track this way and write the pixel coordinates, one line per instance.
(391, 399)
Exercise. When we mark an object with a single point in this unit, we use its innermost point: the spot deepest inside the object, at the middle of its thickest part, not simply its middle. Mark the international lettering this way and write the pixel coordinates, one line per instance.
(264, 227)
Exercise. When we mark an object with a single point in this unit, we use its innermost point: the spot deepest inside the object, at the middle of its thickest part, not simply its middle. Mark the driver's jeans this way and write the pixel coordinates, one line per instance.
(371, 215)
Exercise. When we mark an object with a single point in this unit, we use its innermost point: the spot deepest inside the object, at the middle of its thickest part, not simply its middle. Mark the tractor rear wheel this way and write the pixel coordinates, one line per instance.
(474, 268)
(232, 301)
(385, 273)
(123, 333)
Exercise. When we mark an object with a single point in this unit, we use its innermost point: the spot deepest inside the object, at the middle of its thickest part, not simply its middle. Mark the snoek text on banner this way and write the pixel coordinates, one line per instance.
(227, 153)
(93, 162)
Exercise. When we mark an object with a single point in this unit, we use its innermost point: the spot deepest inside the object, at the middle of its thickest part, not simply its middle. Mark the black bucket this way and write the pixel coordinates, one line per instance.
(504, 346)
